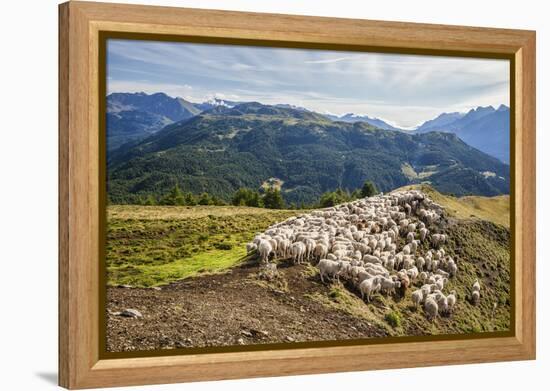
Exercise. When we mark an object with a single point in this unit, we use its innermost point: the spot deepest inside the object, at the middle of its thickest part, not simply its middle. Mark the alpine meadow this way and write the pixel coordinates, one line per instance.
(262, 195)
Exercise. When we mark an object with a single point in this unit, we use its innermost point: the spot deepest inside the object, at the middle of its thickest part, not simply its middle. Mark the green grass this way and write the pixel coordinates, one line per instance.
(338, 297)
(393, 318)
(153, 275)
(151, 245)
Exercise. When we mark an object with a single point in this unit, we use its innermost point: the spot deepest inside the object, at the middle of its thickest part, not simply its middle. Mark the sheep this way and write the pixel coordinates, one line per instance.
(412, 273)
(476, 286)
(442, 303)
(423, 234)
(417, 297)
(264, 248)
(328, 268)
(361, 241)
(426, 290)
(354, 271)
(404, 284)
(309, 247)
(475, 297)
(408, 262)
(388, 285)
(251, 247)
(440, 283)
(451, 300)
(414, 246)
(320, 251)
(422, 277)
(364, 275)
(428, 262)
(371, 259)
(420, 262)
(368, 287)
(298, 250)
(273, 243)
(436, 240)
(431, 308)
(453, 269)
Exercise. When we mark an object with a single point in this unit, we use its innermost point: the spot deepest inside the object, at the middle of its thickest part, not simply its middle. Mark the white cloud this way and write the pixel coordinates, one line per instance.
(175, 90)
(406, 89)
(328, 60)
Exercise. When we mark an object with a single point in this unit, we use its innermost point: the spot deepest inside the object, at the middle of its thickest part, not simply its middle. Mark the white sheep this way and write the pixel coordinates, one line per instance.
(417, 297)
(388, 285)
(360, 241)
(451, 300)
(328, 268)
(475, 297)
(431, 308)
(368, 287)
(297, 251)
(440, 283)
(320, 250)
(423, 234)
(251, 247)
(264, 249)
(412, 273)
(309, 247)
(420, 262)
(453, 269)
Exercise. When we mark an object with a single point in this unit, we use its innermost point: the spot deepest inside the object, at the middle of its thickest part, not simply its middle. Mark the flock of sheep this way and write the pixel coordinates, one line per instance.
(375, 244)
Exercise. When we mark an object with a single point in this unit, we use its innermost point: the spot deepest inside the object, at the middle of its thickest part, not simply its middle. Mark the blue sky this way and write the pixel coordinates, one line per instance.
(404, 90)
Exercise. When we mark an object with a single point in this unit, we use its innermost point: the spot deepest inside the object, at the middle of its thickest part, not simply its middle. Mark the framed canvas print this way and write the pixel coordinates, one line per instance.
(247, 195)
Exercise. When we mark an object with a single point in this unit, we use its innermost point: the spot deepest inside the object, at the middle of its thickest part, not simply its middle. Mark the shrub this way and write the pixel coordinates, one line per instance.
(246, 197)
(332, 198)
(205, 199)
(369, 189)
(393, 318)
(174, 197)
(273, 199)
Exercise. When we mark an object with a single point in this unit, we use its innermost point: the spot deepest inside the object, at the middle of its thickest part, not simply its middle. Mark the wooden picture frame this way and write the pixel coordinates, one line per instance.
(80, 26)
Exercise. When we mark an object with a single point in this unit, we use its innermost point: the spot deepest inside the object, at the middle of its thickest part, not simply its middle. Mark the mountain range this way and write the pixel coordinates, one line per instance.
(350, 117)
(134, 116)
(249, 144)
(485, 128)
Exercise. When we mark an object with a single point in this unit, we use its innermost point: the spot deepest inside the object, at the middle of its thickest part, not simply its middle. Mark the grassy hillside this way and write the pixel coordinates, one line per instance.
(183, 250)
(154, 245)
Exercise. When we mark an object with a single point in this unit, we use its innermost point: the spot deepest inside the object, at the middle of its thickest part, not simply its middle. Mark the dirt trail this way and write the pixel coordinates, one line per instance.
(229, 309)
